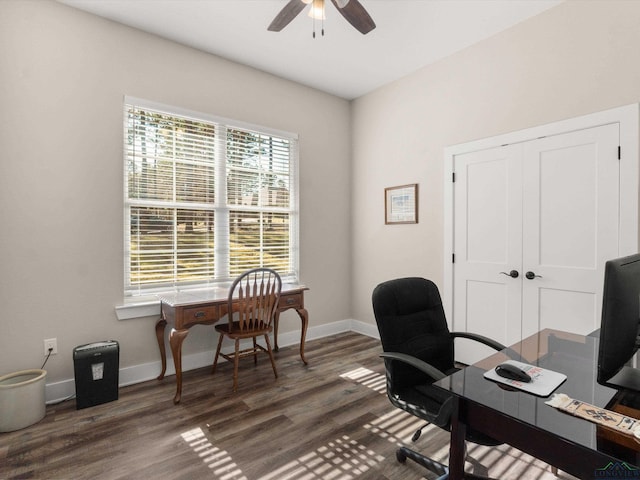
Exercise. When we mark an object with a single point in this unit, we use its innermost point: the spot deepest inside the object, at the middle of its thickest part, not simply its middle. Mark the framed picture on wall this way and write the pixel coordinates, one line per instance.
(401, 204)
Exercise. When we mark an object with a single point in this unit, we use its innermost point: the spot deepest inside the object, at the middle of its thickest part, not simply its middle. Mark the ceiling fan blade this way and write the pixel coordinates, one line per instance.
(356, 15)
(288, 13)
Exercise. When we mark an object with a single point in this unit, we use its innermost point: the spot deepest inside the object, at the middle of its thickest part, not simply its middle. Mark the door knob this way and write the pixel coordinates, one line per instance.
(512, 274)
(530, 275)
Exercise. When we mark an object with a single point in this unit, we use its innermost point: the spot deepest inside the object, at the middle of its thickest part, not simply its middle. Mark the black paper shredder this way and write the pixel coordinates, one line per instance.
(96, 368)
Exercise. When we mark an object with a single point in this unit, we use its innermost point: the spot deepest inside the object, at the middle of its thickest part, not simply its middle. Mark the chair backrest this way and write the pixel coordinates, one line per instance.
(254, 296)
(411, 320)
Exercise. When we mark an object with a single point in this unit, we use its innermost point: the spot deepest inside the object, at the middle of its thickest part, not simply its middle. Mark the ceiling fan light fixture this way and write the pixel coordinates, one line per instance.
(317, 10)
(351, 10)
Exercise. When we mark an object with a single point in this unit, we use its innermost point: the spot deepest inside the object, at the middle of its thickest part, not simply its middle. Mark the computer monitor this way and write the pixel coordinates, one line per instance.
(619, 324)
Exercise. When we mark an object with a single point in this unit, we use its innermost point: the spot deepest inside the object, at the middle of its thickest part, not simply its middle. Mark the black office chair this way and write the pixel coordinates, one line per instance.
(418, 350)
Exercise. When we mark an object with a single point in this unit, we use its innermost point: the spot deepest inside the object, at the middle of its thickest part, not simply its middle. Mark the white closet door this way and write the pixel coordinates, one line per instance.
(488, 241)
(570, 227)
(549, 207)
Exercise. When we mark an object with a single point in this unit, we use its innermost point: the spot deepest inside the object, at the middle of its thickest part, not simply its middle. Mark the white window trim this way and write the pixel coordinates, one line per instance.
(147, 304)
(207, 117)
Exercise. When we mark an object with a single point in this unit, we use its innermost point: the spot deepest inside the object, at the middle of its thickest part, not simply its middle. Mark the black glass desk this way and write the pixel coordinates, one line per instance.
(525, 422)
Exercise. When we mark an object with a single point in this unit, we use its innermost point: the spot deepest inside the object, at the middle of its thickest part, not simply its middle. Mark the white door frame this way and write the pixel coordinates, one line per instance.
(628, 117)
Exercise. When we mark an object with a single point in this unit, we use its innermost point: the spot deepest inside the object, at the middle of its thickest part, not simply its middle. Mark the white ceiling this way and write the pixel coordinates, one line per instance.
(409, 35)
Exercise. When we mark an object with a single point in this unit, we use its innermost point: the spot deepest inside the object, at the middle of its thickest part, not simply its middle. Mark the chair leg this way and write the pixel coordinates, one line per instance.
(270, 352)
(236, 359)
(215, 360)
(255, 351)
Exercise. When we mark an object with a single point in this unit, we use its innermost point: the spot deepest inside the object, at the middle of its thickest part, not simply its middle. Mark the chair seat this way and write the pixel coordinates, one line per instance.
(234, 331)
(424, 400)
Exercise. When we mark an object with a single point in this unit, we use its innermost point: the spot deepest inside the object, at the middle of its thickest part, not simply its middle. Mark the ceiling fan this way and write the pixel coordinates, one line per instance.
(351, 10)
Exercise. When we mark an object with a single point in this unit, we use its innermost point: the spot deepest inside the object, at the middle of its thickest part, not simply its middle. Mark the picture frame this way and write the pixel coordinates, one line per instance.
(401, 204)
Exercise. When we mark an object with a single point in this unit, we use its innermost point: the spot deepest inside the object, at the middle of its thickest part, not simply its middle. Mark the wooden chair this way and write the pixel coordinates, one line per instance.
(253, 299)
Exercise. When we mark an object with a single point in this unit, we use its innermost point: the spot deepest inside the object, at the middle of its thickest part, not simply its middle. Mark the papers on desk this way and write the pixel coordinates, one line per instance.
(620, 423)
(542, 383)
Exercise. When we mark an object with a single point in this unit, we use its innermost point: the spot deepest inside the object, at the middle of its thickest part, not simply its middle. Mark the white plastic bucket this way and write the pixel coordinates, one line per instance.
(22, 401)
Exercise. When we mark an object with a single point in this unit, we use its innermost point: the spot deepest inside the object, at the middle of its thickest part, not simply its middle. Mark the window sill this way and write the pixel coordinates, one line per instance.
(138, 310)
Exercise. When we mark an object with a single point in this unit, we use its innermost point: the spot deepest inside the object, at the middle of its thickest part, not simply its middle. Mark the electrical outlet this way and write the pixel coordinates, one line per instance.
(51, 343)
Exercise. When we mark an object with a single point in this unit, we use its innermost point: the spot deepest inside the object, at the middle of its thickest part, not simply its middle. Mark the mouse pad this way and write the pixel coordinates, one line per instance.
(543, 382)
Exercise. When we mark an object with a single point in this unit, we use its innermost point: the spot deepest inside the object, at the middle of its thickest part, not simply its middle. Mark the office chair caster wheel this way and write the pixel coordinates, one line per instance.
(400, 456)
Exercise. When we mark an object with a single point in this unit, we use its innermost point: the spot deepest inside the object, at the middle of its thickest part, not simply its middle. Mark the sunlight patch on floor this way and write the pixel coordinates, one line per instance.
(342, 458)
(219, 461)
(507, 462)
(398, 426)
(368, 378)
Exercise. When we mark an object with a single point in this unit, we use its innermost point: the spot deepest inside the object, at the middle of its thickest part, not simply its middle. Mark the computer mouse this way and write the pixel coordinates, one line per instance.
(510, 371)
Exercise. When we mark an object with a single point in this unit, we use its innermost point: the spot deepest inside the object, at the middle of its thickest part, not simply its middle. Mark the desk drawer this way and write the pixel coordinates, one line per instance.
(194, 315)
(293, 300)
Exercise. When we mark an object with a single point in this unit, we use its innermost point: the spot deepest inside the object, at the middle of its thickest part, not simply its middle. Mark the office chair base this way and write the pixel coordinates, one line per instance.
(436, 467)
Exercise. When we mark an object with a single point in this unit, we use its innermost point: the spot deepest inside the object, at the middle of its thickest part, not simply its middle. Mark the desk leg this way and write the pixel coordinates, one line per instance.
(457, 447)
(276, 322)
(176, 337)
(160, 326)
(304, 317)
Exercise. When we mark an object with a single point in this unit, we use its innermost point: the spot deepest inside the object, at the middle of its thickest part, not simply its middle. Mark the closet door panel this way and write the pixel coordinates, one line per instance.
(488, 239)
(564, 309)
(570, 227)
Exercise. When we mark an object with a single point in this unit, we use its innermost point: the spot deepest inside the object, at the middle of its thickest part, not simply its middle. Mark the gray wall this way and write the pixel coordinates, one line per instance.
(577, 58)
(63, 76)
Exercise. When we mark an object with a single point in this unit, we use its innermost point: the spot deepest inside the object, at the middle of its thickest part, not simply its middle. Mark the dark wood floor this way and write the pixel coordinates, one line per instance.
(328, 420)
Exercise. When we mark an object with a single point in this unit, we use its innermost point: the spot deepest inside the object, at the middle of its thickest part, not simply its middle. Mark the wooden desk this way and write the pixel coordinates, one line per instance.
(183, 310)
(524, 421)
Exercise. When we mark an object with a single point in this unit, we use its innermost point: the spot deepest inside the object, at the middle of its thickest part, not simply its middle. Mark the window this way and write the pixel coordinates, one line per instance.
(205, 199)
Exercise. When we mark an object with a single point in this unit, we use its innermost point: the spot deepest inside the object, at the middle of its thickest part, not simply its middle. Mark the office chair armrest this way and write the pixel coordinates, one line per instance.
(479, 338)
(509, 352)
(424, 367)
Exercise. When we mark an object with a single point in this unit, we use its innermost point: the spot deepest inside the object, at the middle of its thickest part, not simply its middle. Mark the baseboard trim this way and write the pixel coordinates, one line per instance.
(364, 329)
(62, 390)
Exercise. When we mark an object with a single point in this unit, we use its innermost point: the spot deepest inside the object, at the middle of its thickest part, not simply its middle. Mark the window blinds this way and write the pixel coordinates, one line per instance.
(205, 199)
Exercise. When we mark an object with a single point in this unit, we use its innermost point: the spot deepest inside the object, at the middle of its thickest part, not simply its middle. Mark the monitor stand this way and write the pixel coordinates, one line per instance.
(627, 378)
